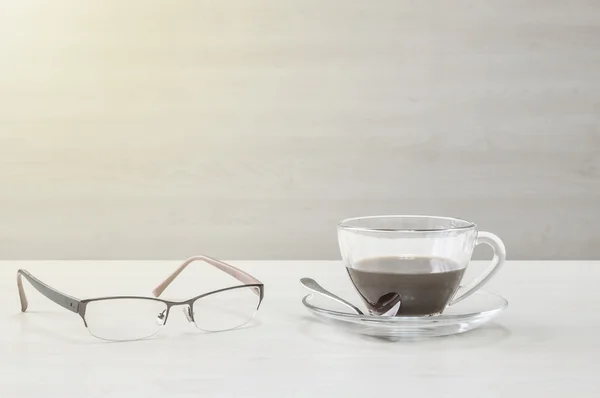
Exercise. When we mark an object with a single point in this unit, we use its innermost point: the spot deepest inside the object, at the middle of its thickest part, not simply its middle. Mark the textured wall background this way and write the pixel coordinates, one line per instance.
(247, 129)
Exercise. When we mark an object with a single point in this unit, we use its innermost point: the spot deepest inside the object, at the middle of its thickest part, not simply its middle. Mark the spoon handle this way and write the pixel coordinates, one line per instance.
(313, 286)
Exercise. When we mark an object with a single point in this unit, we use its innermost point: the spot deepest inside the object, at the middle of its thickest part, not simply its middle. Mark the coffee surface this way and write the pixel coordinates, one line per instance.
(424, 284)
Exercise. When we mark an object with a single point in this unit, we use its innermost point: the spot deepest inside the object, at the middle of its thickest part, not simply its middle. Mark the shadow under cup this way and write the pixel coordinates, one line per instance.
(412, 265)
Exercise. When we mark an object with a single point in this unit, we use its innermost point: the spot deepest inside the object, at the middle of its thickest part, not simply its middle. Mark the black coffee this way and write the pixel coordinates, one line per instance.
(424, 285)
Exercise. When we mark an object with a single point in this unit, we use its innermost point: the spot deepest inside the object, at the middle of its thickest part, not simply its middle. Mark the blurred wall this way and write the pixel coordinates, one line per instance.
(247, 129)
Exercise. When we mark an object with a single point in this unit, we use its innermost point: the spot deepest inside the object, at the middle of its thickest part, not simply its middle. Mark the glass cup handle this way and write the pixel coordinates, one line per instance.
(498, 260)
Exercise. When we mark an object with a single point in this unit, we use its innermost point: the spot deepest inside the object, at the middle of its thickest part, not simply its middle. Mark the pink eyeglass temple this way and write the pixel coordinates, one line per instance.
(228, 269)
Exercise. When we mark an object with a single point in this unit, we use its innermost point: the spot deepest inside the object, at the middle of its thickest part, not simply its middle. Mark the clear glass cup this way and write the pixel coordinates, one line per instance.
(416, 258)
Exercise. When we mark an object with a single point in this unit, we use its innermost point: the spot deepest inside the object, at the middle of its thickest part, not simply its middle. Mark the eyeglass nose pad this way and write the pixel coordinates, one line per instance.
(161, 318)
(188, 314)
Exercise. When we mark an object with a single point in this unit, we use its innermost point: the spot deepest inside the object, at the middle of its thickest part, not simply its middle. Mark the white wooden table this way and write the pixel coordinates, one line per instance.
(546, 344)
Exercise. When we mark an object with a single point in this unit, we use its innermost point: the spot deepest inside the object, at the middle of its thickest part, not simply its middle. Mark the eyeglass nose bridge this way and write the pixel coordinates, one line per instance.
(187, 311)
(162, 317)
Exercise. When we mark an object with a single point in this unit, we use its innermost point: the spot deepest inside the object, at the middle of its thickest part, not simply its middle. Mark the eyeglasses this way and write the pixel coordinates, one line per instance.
(125, 318)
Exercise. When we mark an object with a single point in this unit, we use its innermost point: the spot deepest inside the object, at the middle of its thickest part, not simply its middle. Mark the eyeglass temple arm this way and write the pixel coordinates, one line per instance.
(227, 268)
(65, 301)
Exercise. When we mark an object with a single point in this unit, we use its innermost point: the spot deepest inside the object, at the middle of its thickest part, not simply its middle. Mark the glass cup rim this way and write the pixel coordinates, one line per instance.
(346, 224)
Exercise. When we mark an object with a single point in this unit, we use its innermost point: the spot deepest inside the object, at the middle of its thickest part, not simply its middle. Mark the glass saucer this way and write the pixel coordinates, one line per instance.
(466, 315)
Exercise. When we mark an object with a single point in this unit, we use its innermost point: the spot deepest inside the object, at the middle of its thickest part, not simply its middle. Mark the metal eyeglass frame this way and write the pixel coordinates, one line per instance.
(79, 306)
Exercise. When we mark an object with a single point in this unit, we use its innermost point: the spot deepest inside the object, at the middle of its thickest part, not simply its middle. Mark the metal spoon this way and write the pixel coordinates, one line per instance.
(314, 287)
(389, 304)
